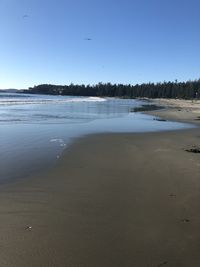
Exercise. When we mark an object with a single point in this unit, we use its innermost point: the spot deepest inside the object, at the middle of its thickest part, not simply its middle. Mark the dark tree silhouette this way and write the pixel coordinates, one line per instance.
(184, 90)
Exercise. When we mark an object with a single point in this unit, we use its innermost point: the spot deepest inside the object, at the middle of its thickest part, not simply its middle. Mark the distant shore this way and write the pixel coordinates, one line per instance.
(178, 110)
(112, 200)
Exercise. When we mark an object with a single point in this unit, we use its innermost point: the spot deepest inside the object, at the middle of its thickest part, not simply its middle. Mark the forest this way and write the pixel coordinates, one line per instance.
(181, 90)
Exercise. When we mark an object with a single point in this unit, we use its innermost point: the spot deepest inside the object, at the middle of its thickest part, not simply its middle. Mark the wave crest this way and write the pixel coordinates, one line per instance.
(40, 101)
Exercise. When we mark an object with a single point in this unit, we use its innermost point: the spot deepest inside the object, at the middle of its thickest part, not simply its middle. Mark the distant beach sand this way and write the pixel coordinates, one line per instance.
(178, 110)
(112, 200)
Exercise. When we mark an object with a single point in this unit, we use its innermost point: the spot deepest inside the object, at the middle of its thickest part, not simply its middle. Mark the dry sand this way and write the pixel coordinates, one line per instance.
(112, 200)
(178, 110)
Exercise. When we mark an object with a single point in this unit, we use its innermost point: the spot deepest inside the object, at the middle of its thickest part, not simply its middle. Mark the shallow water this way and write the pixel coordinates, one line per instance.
(34, 129)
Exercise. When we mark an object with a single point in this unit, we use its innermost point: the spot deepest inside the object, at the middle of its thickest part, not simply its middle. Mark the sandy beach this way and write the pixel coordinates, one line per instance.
(178, 110)
(112, 200)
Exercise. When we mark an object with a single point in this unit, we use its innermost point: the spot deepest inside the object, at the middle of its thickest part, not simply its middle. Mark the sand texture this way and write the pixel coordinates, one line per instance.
(112, 200)
(178, 110)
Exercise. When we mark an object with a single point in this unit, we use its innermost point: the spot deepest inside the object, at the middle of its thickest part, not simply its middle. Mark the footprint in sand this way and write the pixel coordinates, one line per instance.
(163, 263)
(185, 220)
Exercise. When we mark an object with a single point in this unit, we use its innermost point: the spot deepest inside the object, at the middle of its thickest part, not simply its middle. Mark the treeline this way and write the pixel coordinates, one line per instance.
(184, 90)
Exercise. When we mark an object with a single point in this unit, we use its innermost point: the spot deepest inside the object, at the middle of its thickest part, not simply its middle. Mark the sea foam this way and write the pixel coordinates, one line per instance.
(40, 101)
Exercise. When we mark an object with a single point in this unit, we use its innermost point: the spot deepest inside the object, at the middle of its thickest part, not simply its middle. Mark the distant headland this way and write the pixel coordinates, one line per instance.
(182, 90)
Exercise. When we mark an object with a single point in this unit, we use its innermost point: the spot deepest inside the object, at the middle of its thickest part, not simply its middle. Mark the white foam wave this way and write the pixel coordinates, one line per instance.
(87, 99)
(57, 140)
(49, 101)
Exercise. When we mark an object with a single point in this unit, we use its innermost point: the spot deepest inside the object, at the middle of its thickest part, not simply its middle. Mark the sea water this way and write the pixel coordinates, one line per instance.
(35, 129)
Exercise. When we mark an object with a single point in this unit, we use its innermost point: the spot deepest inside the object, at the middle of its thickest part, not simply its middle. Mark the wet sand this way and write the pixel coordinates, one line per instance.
(112, 200)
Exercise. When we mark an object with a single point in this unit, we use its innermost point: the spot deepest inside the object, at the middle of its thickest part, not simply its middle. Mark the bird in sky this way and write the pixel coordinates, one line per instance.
(25, 16)
(88, 39)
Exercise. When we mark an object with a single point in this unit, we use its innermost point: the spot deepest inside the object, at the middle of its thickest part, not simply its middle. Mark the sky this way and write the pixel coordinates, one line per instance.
(133, 41)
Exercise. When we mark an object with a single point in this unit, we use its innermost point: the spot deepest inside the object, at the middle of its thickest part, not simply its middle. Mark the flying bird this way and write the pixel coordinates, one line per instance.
(88, 39)
(25, 16)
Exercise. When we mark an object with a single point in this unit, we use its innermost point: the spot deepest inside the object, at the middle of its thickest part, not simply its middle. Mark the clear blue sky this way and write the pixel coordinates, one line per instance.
(133, 41)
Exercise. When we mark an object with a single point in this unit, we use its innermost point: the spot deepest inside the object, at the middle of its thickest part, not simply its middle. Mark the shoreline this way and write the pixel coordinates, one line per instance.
(177, 110)
(112, 200)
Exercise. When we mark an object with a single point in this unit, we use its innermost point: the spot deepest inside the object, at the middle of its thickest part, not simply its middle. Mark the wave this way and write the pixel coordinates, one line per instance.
(88, 99)
(13, 95)
(31, 101)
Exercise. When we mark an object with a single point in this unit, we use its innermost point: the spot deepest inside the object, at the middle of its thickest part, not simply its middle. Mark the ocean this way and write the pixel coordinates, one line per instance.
(35, 129)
